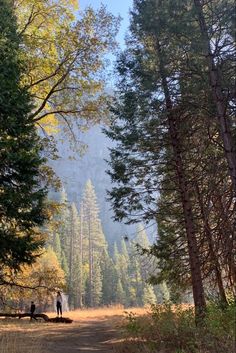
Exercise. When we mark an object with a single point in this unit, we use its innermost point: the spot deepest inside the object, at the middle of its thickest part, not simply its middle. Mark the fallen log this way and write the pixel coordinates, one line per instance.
(65, 320)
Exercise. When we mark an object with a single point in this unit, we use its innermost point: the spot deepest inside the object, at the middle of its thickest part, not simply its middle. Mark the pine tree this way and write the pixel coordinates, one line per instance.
(109, 279)
(161, 148)
(64, 264)
(219, 62)
(21, 191)
(74, 262)
(121, 261)
(149, 296)
(96, 287)
(165, 292)
(143, 244)
(62, 221)
(120, 293)
(93, 243)
(57, 246)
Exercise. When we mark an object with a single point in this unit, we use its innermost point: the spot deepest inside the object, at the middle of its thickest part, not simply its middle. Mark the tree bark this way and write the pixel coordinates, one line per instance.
(193, 251)
(213, 256)
(219, 99)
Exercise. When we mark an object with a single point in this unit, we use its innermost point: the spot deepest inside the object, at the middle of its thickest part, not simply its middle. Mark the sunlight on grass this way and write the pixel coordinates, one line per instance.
(100, 313)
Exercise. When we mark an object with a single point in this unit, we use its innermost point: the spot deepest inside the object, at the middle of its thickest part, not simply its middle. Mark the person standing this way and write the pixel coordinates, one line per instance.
(32, 310)
(59, 304)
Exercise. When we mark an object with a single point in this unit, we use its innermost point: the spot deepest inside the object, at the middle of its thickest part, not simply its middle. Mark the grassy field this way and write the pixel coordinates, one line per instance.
(25, 336)
(101, 313)
(161, 329)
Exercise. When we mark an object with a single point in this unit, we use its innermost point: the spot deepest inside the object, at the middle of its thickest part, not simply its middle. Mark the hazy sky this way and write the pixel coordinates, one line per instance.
(117, 7)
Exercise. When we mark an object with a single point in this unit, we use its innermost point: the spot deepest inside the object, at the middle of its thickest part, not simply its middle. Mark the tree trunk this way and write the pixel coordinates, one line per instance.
(218, 97)
(212, 252)
(81, 260)
(194, 259)
(71, 259)
(90, 264)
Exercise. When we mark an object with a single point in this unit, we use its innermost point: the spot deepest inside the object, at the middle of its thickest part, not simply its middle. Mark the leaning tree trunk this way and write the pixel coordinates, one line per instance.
(219, 99)
(193, 251)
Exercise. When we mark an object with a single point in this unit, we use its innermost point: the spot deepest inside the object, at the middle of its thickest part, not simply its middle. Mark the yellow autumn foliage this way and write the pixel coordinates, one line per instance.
(45, 276)
(64, 56)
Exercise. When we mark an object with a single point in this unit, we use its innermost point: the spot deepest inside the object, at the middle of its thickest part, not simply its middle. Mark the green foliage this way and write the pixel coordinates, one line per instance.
(22, 192)
(96, 287)
(37, 282)
(166, 138)
(149, 296)
(93, 276)
(109, 280)
(173, 330)
(67, 82)
(120, 293)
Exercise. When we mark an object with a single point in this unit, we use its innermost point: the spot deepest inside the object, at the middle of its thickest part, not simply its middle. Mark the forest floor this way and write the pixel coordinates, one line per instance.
(92, 331)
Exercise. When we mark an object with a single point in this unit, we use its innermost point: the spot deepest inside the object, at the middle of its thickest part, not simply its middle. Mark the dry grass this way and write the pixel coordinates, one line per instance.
(18, 336)
(25, 336)
(19, 342)
(101, 313)
(172, 329)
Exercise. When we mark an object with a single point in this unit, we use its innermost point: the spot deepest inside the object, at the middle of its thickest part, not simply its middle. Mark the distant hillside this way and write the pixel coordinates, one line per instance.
(75, 170)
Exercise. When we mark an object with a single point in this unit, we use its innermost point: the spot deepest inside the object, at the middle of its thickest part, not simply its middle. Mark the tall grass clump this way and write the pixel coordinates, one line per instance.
(172, 329)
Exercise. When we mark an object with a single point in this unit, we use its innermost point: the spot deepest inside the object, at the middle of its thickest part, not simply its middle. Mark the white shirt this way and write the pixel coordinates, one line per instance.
(59, 298)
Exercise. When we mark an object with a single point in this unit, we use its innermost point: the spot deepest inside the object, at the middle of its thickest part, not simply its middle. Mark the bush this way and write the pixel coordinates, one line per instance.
(172, 329)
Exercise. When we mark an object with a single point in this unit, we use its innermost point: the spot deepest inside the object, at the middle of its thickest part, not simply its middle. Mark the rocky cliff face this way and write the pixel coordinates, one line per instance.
(74, 170)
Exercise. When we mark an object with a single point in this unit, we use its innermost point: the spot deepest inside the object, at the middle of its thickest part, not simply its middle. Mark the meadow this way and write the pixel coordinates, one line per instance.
(157, 329)
(25, 336)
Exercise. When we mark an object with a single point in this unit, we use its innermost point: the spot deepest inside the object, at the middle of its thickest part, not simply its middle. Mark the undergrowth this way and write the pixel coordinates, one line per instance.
(172, 329)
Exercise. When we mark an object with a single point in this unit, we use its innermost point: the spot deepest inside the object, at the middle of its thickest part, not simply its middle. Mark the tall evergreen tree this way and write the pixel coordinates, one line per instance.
(93, 243)
(120, 293)
(62, 220)
(57, 246)
(219, 57)
(121, 261)
(136, 283)
(163, 144)
(149, 296)
(21, 191)
(74, 261)
(109, 279)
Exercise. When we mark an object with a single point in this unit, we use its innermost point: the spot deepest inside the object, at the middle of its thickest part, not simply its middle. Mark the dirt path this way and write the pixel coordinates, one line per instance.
(82, 337)
(93, 331)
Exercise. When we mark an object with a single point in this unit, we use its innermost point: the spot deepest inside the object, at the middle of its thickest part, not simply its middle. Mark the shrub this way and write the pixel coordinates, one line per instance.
(172, 329)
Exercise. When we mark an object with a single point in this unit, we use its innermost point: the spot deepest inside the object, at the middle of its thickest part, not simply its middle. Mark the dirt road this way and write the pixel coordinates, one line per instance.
(86, 337)
(92, 331)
